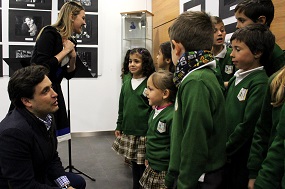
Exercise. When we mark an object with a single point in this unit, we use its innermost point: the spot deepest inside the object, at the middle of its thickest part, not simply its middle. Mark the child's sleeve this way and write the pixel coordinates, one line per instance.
(272, 170)
(261, 137)
(120, 111)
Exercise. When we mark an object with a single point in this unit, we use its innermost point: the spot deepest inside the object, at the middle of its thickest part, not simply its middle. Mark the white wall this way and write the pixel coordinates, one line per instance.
(93, 102)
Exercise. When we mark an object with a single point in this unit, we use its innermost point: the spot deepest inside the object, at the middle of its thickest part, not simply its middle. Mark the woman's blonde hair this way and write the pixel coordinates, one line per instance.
(277, 88)
(64, 23)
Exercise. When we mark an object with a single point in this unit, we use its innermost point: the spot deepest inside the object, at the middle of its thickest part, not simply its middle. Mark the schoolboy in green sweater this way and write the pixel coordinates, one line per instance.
(252, 46)
(262, 12)
(198, 136)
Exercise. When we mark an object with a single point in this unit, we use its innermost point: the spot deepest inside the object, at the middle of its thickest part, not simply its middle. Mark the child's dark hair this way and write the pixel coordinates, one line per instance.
(194, 30)
(165, 49)
(163, 80)
(258, 38)
(147, 61)
(125, 66)
(253, 9)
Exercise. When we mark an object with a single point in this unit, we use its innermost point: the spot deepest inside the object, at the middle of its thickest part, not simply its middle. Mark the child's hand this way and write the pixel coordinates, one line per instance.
(118, 133)
(146, 163)
(251, 184)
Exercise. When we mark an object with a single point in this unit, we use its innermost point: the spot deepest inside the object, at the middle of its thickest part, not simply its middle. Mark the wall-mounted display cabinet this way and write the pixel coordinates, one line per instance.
(136, 30)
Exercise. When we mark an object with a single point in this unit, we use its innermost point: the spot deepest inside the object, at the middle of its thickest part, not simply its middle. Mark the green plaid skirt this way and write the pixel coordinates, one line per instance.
(152, 179)
(130, 146)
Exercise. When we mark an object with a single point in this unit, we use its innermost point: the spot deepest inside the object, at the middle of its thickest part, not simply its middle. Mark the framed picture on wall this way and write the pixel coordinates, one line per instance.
(89, 33)
(1, 25)
(20, 51)
(89, 5)
(31, 4)
(24, 26)
(88, 56)
(1, 62)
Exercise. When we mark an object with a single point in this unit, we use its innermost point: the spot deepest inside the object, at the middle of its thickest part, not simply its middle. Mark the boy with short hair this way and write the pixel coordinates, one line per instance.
(252, 47)
(221, 51)
(198, 135)
(260, 11)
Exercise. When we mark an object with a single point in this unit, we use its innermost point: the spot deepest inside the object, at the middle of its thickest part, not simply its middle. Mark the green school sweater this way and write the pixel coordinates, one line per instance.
(133, 110)
(277, 59)
(264, 134)
(226, 66)
(198, 134)
(272, 169)
(243, 106)
(158, 139)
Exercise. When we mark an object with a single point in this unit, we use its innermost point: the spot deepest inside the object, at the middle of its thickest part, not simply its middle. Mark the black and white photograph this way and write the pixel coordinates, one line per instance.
(1, 25)
(88, 56)
(25, 25)
(89, 5)
(89, 34)
(20, 51)
(31, 4)
(1, 62)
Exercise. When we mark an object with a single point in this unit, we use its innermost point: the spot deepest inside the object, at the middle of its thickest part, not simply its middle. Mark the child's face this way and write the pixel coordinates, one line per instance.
(219, 34)
(242, 20)
(160, 63)
(242, 57)
(154, 95)
(135, 65)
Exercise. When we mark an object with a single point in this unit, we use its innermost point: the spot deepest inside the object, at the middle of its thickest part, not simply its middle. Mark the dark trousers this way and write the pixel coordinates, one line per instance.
(213, 180)
(137, 174)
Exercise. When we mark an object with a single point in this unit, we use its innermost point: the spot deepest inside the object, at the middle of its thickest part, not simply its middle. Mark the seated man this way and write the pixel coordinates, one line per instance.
(28, 145)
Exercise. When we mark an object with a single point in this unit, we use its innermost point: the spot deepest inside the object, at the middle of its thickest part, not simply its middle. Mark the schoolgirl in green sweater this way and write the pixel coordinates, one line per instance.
(161, 93)
(134, 112)
(252, 46)
(272, 169)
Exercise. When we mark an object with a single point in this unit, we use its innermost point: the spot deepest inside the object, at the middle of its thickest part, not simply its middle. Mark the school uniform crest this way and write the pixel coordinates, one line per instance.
(242, 94)
(161, 127)
(229, 69)
(144, 92)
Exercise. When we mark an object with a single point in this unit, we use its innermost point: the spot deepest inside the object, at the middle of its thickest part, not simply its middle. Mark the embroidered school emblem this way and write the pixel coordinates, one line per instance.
(161, 127)
(242, 94)
(229, 69)
(144, 92)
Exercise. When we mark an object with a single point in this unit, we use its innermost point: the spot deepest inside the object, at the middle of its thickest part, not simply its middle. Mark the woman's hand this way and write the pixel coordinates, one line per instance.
(68, 45)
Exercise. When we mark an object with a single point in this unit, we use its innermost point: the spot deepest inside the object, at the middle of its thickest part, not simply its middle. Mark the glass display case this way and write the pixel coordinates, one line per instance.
(136, 30)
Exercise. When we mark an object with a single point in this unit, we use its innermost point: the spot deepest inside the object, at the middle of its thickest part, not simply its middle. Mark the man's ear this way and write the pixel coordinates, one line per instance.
(261, 20)
(26, 102)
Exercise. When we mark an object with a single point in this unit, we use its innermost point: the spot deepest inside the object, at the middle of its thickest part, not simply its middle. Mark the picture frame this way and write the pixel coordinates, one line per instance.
(25, 25)
(0, 25)
(20, 51)
(192, 4)
(1, 62)
(89, 33)
(89, 58)
(89, 5)
(31, 4)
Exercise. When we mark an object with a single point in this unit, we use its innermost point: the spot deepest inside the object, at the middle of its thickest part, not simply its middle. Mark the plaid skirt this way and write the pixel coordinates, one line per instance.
(152, 179)
(131, 147)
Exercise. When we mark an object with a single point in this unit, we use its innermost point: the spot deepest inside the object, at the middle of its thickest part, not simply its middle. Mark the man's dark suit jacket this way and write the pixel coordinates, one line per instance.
(28, 152)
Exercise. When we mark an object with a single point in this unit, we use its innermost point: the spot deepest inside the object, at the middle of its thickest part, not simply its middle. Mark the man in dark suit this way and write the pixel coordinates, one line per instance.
(28, 145)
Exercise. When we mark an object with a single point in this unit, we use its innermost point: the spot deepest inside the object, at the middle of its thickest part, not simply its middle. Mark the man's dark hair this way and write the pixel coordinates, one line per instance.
(23, 82)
